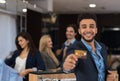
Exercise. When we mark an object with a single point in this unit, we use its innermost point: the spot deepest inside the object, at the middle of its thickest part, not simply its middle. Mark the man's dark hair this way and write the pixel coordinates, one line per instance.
(73, 26)
(86, 16)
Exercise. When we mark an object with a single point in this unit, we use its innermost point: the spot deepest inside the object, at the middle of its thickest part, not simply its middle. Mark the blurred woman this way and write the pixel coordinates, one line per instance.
(45, 48)
(26, 58)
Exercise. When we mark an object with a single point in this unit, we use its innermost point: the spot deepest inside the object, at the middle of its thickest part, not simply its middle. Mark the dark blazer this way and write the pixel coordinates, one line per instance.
(85, 69)
(33, 60)
(63, 46)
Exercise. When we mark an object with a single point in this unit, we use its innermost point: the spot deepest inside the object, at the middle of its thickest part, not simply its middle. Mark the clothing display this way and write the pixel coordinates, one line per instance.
(8, 74)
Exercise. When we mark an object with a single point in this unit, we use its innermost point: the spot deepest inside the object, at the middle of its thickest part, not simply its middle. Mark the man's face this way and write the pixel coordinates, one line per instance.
(87, 29)
(70, 33)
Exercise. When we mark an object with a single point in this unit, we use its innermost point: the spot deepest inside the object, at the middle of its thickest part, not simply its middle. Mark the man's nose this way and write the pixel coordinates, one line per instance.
(88, 28)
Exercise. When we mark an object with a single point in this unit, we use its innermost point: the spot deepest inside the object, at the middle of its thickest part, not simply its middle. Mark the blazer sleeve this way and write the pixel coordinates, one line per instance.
(11, 60)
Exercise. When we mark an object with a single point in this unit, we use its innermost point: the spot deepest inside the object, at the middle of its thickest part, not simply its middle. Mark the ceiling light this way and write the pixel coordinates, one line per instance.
(92, 5)
(24, 1)
(24, 10)
(2, 1)
(116, 29)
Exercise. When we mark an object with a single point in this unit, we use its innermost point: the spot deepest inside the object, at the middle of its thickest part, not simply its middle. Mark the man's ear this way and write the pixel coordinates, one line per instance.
(27, 41)
(75, 34)
(96, 30)
(79, 31)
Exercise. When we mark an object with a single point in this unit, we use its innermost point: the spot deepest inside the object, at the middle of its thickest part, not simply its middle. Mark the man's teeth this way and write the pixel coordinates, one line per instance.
(88, 34)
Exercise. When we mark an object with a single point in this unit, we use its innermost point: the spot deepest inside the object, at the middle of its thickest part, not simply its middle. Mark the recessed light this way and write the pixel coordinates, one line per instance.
(24, 10)
(2, 1)
(24, 1)
(92, 5)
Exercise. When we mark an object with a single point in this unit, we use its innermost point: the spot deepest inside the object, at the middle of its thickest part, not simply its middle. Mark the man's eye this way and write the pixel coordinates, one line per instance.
(84, 27)
(92, 26)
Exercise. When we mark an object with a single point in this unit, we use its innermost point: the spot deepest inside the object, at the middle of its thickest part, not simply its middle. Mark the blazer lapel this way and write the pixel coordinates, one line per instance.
(89, 56)
(104, 57)
(28, 60)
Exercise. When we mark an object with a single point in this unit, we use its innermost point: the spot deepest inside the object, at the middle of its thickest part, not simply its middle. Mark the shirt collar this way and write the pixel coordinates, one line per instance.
(73, 40)
(97, 45)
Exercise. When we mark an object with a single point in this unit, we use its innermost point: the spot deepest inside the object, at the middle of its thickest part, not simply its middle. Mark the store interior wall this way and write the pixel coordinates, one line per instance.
(7, 34)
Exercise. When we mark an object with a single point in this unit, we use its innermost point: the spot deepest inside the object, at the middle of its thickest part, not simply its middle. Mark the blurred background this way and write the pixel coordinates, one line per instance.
(39, 17)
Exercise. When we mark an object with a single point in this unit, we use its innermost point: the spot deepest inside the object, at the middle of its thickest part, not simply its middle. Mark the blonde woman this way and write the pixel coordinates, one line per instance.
(45, 48)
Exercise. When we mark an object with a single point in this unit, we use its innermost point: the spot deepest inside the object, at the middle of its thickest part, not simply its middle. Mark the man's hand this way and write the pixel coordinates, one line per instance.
(70, 62)
(111, 76)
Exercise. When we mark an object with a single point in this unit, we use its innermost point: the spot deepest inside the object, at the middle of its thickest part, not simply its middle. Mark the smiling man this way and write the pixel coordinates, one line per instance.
(94, 66)
(70, 33)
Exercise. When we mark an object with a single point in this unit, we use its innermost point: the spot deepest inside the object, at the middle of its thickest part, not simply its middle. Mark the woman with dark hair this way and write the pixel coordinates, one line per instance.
(26, 58)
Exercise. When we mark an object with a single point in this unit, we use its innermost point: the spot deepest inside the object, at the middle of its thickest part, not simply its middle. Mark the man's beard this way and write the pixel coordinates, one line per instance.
(69, 37)
(88, 40)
